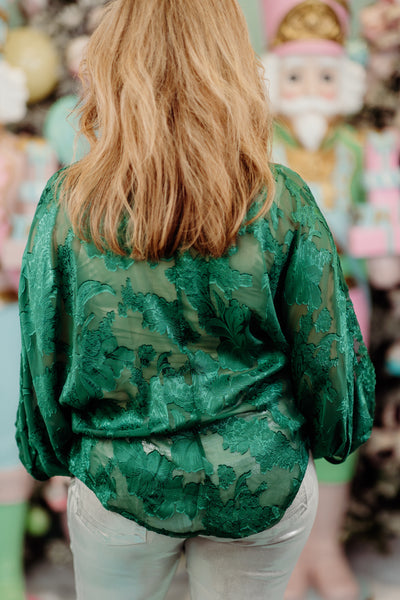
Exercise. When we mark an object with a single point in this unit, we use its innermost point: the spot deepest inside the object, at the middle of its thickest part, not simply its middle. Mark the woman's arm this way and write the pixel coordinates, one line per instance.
(43, 426)
(333, 376)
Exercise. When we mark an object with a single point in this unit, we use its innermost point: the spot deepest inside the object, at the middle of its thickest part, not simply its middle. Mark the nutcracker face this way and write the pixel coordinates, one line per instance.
(307, 76)
(309, 95)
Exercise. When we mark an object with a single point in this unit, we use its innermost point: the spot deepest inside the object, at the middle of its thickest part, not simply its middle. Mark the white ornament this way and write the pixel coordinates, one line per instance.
(13, 93)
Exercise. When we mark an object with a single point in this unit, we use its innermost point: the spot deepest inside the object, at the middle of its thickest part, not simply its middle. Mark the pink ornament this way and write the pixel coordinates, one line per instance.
(32, 7)
(380, 24)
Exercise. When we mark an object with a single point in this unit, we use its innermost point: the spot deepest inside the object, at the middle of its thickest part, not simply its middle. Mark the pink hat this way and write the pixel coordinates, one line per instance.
(318, 26)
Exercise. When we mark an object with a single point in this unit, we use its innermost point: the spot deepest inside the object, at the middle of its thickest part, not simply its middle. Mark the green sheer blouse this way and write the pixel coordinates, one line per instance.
(187, 393)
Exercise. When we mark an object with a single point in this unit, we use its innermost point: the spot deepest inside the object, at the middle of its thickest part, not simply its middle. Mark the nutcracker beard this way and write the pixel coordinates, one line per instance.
(310, 118)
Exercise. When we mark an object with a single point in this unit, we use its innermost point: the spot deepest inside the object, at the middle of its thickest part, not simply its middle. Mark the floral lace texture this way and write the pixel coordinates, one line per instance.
(187, 394)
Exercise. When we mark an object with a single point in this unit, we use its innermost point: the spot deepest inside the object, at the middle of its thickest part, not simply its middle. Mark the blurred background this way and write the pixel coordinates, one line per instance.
(352, 166)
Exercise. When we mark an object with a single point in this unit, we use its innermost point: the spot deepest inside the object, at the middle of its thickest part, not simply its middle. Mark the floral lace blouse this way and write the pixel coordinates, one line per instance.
(187, 393)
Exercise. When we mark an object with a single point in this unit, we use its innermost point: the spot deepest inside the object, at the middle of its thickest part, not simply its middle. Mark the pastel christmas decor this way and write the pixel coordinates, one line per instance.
(376, 232)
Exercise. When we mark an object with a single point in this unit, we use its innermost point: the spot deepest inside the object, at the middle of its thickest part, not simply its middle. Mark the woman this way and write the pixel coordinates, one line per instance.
(187, 334)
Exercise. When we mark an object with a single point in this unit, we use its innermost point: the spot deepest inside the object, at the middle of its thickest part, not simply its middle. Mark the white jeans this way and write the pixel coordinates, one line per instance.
(114, 558)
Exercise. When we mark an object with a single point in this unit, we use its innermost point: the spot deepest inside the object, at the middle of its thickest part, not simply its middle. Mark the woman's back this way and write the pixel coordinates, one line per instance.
(191, 388)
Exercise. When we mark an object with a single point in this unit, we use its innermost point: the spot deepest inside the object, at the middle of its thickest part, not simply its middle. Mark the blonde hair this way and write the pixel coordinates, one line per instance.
(175, 109)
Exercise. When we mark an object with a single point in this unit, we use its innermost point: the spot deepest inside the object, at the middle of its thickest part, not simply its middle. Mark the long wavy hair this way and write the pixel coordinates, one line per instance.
(175, 109)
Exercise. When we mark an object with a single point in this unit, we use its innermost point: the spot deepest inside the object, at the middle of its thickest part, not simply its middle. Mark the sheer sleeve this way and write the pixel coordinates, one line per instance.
(43, 426)
(333, 376)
